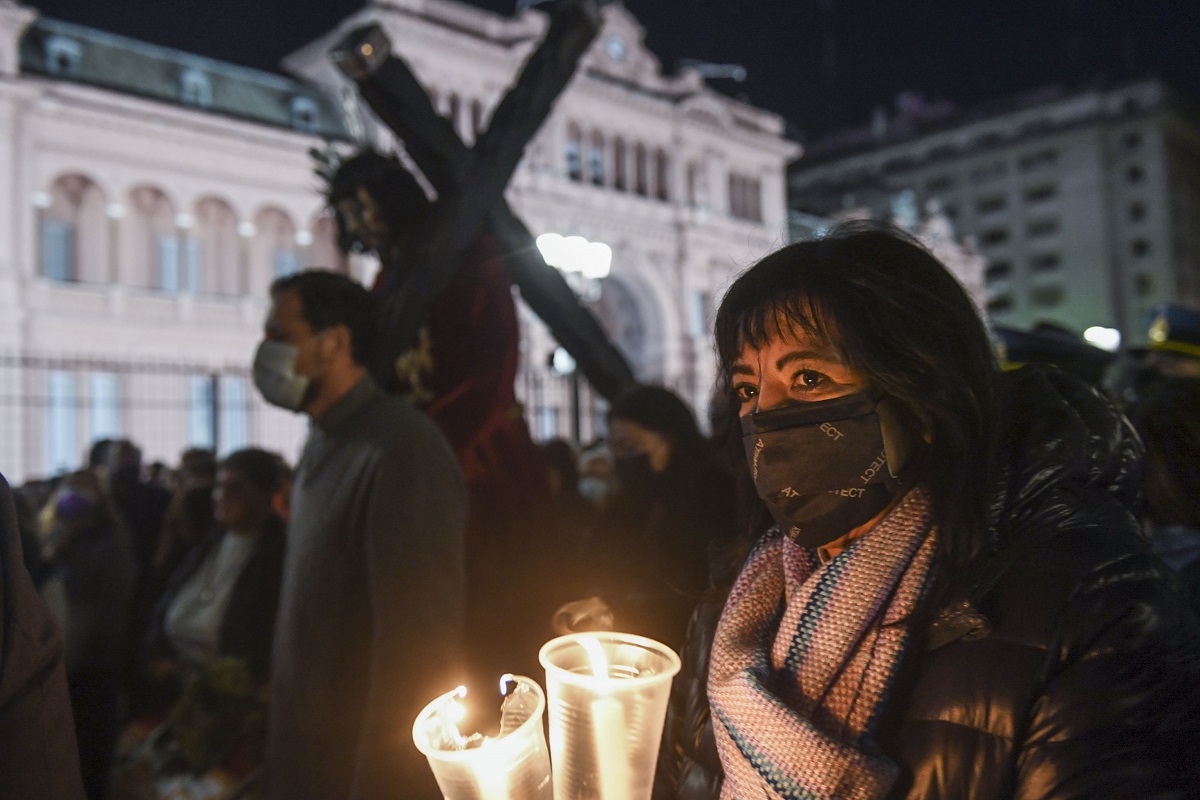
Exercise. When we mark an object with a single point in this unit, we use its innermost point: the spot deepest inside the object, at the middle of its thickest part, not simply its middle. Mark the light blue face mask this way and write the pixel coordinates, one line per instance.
(275, 376)
(594, 488)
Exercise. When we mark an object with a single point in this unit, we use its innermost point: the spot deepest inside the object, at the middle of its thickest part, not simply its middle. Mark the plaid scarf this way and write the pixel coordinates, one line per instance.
(803, 657)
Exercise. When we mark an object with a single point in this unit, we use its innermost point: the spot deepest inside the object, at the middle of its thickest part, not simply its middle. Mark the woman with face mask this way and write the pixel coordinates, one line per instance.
(945, 593)
(650, 545)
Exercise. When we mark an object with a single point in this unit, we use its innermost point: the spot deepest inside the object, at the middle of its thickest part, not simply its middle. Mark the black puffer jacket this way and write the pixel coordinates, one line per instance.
(1069, 664)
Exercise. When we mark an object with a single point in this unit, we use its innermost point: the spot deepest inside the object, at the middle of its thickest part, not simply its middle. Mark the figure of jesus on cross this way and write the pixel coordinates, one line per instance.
(450, 325)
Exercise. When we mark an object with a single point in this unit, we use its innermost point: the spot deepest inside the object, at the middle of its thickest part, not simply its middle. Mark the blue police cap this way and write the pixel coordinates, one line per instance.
(1048, 344)
(1176, 329)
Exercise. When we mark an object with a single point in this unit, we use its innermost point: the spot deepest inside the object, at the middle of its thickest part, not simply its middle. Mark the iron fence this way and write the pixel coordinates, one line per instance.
(53, 407)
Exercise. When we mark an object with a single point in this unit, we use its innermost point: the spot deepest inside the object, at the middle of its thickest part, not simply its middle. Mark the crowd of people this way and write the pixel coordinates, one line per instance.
(155, 575)
(892, 569)
(167, 582)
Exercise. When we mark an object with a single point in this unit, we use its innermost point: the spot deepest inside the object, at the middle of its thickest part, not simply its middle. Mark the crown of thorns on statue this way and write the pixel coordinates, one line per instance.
(396, 193)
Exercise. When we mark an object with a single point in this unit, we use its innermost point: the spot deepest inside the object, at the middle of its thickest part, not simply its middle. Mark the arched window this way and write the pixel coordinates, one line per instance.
(697, 184)
(216, 266)
(73, 231)
(324, 252)
(574, 153)
(274, 251)
(641, 170)
(662, 178)
(596, 159)
(156, 251)
(620, 171)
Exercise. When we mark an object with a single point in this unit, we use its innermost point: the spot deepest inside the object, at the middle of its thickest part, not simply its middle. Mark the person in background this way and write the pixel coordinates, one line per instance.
(371, 611)
(190, 516)
(947, 594)
(100, 457)
(197, 467)
(1167, 416)
(1174, 346)
(90, 584)
(572, 510)
(595, 473)
(281, 503)
(159, 474)
(1172, 350)
(142, 505)
(221, 601)
(672, 504)
(39, 758)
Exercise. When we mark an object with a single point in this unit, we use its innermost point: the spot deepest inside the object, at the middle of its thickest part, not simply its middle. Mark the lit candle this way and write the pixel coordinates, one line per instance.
(513, 765)
(608, 728)
(607, 700)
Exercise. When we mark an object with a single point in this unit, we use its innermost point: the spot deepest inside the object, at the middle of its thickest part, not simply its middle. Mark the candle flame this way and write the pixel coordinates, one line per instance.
(444, 724)
(598, 661)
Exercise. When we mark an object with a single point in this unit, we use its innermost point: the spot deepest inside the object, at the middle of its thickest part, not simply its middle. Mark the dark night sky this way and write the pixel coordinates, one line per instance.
(823, 64)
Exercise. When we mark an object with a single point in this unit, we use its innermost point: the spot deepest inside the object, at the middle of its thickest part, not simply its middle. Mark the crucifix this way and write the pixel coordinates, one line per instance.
(470, 185)
(449, 326)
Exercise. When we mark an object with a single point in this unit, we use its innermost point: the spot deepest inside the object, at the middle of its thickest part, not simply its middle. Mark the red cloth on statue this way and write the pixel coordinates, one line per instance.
(462, 374)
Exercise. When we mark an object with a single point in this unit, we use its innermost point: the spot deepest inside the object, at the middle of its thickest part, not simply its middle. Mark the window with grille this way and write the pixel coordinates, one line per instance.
(574, 154)
(58, 250)
(200, 416)
(1047, 296)
(105, 406)
(234, 412)
(62, 447)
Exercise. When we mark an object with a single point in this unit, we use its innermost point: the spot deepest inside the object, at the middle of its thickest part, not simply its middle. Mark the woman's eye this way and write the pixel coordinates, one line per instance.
(744, 392)
(809, 379)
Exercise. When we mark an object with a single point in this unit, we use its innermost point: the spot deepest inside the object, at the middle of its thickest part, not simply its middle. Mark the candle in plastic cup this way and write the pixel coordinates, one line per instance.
(608, 697)
(514, 765)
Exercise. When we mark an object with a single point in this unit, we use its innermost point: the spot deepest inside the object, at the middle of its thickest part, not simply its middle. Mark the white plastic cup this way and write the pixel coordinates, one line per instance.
(512, 766)
(605, 732)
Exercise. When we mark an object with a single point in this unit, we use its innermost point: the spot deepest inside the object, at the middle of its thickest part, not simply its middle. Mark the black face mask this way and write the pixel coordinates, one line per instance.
(820, 467)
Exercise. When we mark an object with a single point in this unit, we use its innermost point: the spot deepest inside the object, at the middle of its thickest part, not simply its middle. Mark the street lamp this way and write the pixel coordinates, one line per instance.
(584, 265)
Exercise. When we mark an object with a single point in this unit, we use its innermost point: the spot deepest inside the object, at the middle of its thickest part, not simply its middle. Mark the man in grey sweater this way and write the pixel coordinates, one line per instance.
(372, 600)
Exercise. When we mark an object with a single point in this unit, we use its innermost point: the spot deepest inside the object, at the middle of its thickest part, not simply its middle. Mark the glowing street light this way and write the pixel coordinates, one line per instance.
(1105, 338)
(584, 264)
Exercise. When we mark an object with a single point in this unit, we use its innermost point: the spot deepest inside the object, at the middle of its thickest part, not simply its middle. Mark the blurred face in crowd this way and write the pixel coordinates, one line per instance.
(77, 504)
(629, 440)
(237, 504)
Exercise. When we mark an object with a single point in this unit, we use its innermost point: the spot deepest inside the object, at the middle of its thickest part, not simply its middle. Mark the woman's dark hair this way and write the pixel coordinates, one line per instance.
(1167, 416)
(259, 467)
(392, 187)
(329, 299)
(897, 316)
(664, 412)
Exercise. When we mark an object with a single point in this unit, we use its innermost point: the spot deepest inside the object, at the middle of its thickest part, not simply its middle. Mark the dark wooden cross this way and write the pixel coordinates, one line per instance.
(470, 184)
